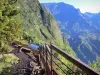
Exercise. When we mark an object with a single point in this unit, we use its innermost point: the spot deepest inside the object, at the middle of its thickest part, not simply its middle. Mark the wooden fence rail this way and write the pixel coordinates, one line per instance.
(49, 63)
(84, 67)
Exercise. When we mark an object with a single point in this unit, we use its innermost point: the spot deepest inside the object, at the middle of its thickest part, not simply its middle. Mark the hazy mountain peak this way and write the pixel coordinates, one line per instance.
(80, 28)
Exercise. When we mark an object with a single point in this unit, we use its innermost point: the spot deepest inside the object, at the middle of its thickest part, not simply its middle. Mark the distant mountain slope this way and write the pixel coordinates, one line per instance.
(82, 30)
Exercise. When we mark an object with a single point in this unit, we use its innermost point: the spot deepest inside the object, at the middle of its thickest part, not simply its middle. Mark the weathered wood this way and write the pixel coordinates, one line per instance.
(46, 65)
(51, 61)
(46, 58)
(88, 70)
(53, 71)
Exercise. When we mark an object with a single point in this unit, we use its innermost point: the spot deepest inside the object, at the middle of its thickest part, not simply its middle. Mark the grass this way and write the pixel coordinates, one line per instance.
(6, 61)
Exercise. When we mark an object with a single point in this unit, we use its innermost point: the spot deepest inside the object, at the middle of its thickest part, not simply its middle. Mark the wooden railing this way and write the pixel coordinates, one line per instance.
(48, 57)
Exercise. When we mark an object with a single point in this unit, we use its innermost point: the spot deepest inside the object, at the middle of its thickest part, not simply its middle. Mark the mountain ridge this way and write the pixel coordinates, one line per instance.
(77, 26)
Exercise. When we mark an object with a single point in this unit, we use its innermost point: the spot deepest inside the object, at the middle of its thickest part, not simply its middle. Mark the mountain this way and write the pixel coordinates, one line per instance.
(81, 30)
(25, 20)
(39, 25)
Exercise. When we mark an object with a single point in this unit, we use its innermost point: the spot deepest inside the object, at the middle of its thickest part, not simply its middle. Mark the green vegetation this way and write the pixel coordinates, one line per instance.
(5, 64)
(24, 20)
(10, 25)
(95, 65)
(40, 26)
(64, 68)
(10, 30)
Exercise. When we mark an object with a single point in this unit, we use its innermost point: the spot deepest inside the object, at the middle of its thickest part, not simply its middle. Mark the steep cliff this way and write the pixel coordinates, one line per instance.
(38, 24)
(30, 22)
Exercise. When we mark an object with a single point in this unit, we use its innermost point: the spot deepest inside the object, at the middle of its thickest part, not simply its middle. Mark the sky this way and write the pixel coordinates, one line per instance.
(92, 6)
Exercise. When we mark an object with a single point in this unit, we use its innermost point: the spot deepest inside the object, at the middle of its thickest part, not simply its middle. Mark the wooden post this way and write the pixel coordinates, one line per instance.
(46, 59)
(43, 49)
(74, 69)
(84, 67)
(51, 60)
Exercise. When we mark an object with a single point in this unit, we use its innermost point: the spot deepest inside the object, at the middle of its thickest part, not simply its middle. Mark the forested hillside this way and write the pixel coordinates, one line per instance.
(40, 26)
(24, 20)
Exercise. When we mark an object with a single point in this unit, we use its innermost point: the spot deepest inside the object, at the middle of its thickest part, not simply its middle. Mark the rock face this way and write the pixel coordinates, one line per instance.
(38, 23)
(82, 30)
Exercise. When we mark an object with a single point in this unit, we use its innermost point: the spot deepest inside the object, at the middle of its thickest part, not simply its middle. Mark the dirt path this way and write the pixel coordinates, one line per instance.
(27, 65)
